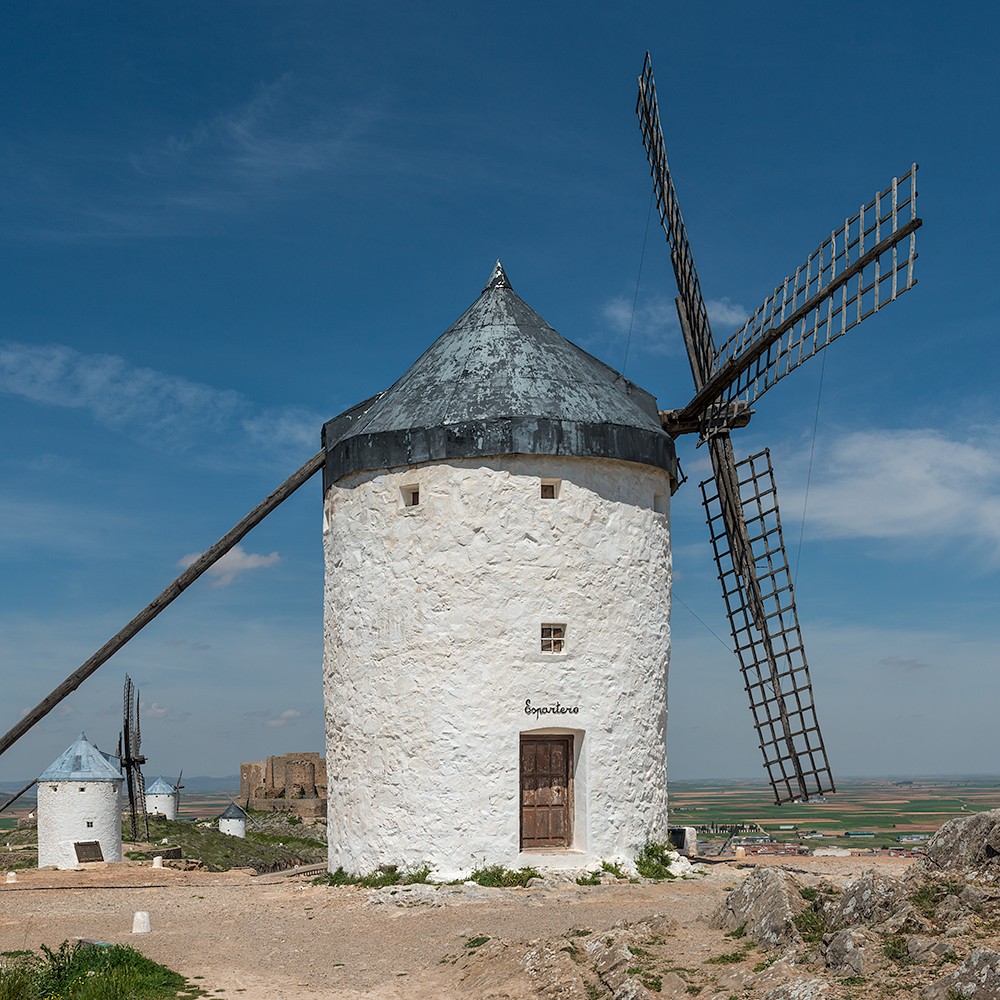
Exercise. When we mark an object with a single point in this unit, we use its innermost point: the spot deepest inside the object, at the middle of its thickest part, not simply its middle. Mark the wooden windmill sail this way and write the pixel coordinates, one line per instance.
(130, 755)
(863, 265)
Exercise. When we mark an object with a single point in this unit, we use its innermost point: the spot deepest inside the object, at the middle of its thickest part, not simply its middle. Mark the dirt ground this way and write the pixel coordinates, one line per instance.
(282, 938)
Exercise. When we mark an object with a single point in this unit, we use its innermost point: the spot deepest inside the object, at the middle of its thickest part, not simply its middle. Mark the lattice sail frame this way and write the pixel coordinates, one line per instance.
(691, 305)
(861, 267)
(757, 589)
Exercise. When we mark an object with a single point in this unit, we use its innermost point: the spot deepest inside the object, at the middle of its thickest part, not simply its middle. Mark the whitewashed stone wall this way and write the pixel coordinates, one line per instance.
(233, 827)
(64, 810)
(164, 804)
(432, 649)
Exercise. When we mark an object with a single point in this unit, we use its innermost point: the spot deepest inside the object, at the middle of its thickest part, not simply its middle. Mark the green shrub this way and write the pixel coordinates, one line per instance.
(653, 861)
(499, 877)
(811, 924)
(379, 879)
(613, 868)
(593, 879)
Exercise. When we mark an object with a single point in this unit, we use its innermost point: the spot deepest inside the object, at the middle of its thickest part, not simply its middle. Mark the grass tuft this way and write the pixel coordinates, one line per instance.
(653, 861)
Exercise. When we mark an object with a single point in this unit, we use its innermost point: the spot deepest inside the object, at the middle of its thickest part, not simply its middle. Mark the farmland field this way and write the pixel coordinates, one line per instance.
(887, 807)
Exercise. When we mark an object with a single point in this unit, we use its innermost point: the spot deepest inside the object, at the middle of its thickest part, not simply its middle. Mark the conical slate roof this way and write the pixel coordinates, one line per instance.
(81, 761)
(499, 381)
(233, 812)
(160, 787)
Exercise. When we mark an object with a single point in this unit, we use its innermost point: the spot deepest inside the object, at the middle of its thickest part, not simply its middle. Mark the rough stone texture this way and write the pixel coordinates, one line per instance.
(869, 899)
(764, 905)
(966, 843)
(800, 989)
(294, 783)
(927, 950)
(977, 977)
(64, 810)
(432, 649)
(853, 952)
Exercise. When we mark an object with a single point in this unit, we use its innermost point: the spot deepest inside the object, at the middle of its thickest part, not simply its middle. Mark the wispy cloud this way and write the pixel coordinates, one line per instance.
(232, 565)
(274, 720)
(239, 160)
(167, 411)
(919, 486)
(654, 326)
(901, 663)
(283, 718)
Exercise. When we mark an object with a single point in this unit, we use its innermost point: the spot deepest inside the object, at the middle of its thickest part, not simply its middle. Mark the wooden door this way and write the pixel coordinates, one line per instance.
(546, 791)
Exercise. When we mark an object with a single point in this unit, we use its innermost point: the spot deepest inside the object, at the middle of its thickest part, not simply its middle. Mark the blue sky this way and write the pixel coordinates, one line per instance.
(225, 223)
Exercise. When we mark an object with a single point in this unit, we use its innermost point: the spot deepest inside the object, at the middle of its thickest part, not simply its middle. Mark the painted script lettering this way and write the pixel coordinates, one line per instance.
(556, 709)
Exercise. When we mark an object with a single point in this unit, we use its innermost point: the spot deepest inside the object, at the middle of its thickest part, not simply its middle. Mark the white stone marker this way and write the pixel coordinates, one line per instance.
(140, 922)
(11, 876)
(158, 861)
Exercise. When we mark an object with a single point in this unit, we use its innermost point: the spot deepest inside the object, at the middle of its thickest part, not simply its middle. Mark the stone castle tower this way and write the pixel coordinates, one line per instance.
(497, 602)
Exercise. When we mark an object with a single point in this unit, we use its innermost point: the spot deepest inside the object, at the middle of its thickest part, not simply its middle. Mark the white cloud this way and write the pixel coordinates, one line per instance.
(232, 565)
(237, 161)
(155, 711)
(918, 486)
(166, 411)
(655, 328)
(283, 718)
(115, 393)
(900, 663)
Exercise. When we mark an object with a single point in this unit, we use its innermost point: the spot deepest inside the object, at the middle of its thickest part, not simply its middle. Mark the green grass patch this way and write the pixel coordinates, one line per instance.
(476, 942)
(499, 877)
(379, 879)
(90, 972)
(612, 868)
(765, 964)
(740, 931)
(895, 948)
(729, 958)
(593, 879)
(811, 924)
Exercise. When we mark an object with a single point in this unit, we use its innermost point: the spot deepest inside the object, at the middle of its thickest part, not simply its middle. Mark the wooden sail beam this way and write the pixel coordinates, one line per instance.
(205, 561)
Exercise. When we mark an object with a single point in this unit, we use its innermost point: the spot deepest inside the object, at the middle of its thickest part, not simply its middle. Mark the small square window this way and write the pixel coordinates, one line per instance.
(410, 496)
(90, 824)
(553, 638)
(83, 788)
(550, 489)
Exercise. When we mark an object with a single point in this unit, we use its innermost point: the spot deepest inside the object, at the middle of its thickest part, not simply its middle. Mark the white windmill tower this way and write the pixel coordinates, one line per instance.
(497, 599)
(162, 798)
(79, 808)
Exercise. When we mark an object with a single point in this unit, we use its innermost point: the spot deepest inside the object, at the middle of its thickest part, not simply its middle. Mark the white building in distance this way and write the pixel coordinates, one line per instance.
(162, 799)
(497, 603)
(233, 822)
(79, 805)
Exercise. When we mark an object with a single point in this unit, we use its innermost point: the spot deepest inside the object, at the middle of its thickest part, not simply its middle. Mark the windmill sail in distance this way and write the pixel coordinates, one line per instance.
(863, 265)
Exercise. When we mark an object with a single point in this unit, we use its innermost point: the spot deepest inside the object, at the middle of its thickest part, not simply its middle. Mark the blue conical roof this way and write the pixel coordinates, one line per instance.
(81, 761)
(160, 787)
(499, 381)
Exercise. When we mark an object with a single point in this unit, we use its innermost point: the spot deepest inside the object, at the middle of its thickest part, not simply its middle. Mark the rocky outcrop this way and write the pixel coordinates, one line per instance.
(869, 899)
(978, 977)
(765, 907)
(969, 843)
(853, 952)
